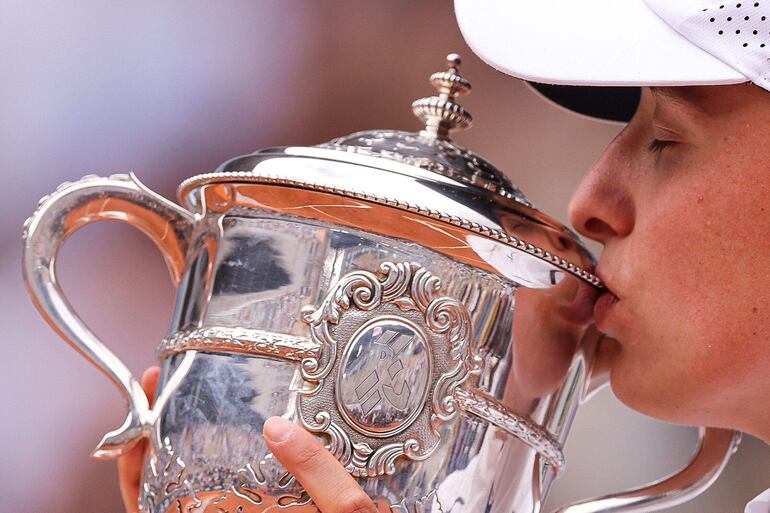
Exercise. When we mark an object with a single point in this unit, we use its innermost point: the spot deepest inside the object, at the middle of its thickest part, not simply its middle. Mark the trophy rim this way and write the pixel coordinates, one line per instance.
(395, 185)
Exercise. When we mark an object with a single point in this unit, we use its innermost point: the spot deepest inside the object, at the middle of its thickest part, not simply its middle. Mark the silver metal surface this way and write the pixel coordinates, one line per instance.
(442, 113)
(520, 427)
(496, 243)
(714, 449)
(71, 206)
(239, 340)
(404, 298)
(404, 302)
(383, 379)
(442, 156)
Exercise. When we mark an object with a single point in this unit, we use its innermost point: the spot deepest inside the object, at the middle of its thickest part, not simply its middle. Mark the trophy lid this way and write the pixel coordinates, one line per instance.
(423, 172)
(432, 147)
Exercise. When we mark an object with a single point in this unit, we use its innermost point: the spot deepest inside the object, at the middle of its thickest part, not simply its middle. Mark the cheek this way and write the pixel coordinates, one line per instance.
(676, 280)
(700, 280)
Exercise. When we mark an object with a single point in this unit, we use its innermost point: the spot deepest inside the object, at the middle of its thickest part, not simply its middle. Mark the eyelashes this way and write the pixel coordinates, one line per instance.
(658, 145)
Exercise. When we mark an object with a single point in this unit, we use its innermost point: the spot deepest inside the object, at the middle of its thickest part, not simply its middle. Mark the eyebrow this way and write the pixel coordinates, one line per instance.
(677, 94)
(681, 97)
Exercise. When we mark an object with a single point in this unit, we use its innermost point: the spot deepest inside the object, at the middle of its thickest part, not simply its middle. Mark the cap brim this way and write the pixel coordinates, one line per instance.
(589, 42)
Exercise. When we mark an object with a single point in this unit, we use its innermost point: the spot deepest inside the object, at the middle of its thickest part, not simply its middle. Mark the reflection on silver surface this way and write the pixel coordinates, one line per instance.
(520, 427)
(69, 208)
(406, 304)
(383, 378)
(457, 205)
(405, 296)
(238, 340)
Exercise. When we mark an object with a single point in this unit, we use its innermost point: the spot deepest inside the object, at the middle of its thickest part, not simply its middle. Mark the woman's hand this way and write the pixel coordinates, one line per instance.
(324, 478)
(327, 482)
(130, 464)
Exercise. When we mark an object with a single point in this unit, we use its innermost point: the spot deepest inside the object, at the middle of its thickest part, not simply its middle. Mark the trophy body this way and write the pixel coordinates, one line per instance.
(236, 350)
(391, 292)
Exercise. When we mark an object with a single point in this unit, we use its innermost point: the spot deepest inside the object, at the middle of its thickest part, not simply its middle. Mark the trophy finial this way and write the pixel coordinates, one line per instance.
(442, 113)
(453, 60)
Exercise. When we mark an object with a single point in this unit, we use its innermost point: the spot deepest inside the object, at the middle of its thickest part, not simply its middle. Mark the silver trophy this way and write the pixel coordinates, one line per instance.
(392, 292)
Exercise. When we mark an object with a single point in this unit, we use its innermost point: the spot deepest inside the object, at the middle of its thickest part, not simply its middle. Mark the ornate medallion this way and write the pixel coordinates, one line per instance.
(384, 376)
(392, 352)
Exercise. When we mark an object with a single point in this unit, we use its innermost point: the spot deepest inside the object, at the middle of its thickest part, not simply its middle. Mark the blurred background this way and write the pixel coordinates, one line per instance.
(170, 89)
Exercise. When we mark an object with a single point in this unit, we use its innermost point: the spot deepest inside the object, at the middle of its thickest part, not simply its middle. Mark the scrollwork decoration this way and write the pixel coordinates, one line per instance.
(404, 291)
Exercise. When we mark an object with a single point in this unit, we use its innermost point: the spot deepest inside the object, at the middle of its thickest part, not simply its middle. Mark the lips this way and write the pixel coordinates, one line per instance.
(603, 307)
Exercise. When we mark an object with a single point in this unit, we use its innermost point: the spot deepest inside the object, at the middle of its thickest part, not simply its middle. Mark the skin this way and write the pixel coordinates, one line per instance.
(684, 231)
(684, 223)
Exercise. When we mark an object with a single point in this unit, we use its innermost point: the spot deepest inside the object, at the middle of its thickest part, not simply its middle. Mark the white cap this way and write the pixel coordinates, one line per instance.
(622, 42)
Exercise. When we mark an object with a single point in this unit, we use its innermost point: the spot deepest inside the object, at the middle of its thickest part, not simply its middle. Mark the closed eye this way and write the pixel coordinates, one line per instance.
(658, 145)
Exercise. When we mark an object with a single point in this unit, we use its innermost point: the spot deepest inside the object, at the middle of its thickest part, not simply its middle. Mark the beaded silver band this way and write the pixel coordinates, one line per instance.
(493, 233)
(239, 340)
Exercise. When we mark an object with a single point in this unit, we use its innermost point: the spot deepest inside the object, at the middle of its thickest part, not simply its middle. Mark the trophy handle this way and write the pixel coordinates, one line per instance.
(59, 215)
(715, 446)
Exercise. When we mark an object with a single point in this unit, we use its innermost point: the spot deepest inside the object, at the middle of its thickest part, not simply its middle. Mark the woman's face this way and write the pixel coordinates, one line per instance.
(681, 202)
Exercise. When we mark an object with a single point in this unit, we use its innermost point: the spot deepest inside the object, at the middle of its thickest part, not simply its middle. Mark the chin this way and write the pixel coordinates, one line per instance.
(660, 395)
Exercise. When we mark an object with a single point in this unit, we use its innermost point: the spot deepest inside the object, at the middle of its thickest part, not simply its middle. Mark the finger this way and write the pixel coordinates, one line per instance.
(130, 464)
(330, 486)
(129, 475)
(149, 381)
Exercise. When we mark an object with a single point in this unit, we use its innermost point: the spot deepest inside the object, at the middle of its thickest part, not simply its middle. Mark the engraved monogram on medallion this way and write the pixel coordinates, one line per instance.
(384, 377)
(392, 353)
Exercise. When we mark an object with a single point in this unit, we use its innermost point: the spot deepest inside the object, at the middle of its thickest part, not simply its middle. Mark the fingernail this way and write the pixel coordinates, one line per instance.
(277, 429)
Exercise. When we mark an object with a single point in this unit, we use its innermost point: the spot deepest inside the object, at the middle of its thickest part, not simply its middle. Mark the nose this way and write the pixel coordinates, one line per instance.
(602, 207)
